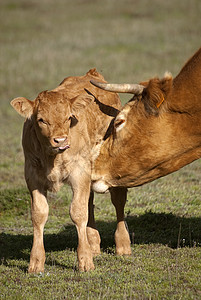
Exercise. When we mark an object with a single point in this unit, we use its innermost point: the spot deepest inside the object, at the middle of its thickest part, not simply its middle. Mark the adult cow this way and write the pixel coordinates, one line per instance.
(156, 133)
(62, 126)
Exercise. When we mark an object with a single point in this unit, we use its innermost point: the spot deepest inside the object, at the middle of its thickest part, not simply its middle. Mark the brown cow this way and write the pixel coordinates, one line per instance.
(156, 133)
(62, 126)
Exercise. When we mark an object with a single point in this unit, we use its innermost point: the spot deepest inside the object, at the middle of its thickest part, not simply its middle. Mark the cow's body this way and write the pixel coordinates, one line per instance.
(156, 133)
(61, 128)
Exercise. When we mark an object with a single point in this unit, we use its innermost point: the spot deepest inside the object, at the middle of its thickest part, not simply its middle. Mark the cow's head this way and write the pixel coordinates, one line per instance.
(52, 114)
(148, 100)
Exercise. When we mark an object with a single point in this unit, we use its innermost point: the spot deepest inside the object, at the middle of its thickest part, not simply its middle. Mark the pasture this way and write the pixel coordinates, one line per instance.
(41, 43)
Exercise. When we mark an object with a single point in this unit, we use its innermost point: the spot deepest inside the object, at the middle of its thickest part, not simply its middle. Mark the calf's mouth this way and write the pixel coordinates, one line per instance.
(59, 144)
(62, 148)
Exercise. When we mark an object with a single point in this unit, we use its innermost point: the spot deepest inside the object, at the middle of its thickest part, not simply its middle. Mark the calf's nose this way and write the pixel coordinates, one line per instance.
(59, 139)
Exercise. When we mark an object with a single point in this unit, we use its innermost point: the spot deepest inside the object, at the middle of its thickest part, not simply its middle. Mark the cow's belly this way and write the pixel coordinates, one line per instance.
(100, 186)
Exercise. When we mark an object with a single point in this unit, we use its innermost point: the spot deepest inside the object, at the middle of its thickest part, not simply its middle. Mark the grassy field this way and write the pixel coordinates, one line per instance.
(43, 41)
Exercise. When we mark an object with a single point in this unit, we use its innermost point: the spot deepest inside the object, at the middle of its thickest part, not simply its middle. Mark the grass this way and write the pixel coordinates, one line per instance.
(42, 42)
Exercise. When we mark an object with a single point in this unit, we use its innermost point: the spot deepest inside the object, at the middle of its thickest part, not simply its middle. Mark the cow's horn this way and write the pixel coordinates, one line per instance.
(119, 88)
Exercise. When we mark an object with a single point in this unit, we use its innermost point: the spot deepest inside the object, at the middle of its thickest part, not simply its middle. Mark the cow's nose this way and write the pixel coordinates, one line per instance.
(59, 139)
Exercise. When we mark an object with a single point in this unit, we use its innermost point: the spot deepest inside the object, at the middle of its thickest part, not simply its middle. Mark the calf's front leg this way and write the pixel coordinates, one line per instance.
(39, 215)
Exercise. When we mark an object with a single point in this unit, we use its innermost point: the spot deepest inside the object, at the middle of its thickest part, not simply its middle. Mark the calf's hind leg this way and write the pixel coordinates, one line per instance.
(79, 215)
(92, 233)
(122, 239)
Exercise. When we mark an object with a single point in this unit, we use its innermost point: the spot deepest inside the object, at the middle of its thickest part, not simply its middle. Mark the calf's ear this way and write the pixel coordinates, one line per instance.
(23, 106)
(80, 102)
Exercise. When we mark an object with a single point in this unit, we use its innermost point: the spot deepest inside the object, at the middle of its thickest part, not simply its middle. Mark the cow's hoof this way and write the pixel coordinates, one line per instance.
(123, 250)
(122, 240)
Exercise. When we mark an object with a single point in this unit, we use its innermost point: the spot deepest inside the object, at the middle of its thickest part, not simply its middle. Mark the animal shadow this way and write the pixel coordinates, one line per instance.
(150, 228)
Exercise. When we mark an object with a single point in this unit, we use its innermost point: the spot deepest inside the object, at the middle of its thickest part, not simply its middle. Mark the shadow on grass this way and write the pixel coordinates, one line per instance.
(165, 229)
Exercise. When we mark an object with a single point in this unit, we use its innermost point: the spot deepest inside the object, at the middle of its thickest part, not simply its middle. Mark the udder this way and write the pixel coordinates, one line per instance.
(100, 186)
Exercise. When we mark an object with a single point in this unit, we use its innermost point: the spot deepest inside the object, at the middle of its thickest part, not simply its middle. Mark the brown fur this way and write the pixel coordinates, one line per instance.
(61, 128)
(154, 134)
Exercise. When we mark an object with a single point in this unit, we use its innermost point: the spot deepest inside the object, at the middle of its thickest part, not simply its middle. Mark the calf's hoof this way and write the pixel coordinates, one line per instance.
(36, 267)
(94, 240)
(86, 264)
(37, 263)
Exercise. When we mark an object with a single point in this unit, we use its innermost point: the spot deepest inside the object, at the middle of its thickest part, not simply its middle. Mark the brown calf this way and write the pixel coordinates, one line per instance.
(61, 129)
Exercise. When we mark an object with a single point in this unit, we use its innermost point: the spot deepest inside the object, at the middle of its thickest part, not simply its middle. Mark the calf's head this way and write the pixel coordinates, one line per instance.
(52, 115)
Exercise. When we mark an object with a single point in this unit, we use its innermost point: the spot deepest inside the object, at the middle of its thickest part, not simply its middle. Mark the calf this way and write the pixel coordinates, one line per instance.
(62, 127)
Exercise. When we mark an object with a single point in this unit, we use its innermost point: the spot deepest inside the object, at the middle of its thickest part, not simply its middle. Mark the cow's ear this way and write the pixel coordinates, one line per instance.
(80, 102)
(156, 92)
(23, 106)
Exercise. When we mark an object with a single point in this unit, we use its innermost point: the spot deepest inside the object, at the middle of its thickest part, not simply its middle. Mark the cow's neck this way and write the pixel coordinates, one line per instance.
(186, 93)
(178, 130)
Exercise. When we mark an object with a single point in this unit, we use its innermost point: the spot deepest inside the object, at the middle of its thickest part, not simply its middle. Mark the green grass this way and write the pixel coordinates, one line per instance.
(42, 42)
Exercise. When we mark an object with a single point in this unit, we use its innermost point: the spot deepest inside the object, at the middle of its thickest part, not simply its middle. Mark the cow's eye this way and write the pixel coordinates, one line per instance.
(42, 121)
(118, 123)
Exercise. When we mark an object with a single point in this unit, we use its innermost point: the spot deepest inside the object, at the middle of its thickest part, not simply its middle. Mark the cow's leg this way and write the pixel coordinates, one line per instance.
(92, 233)
(39, 215)
(79, 215)
(122, 239)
